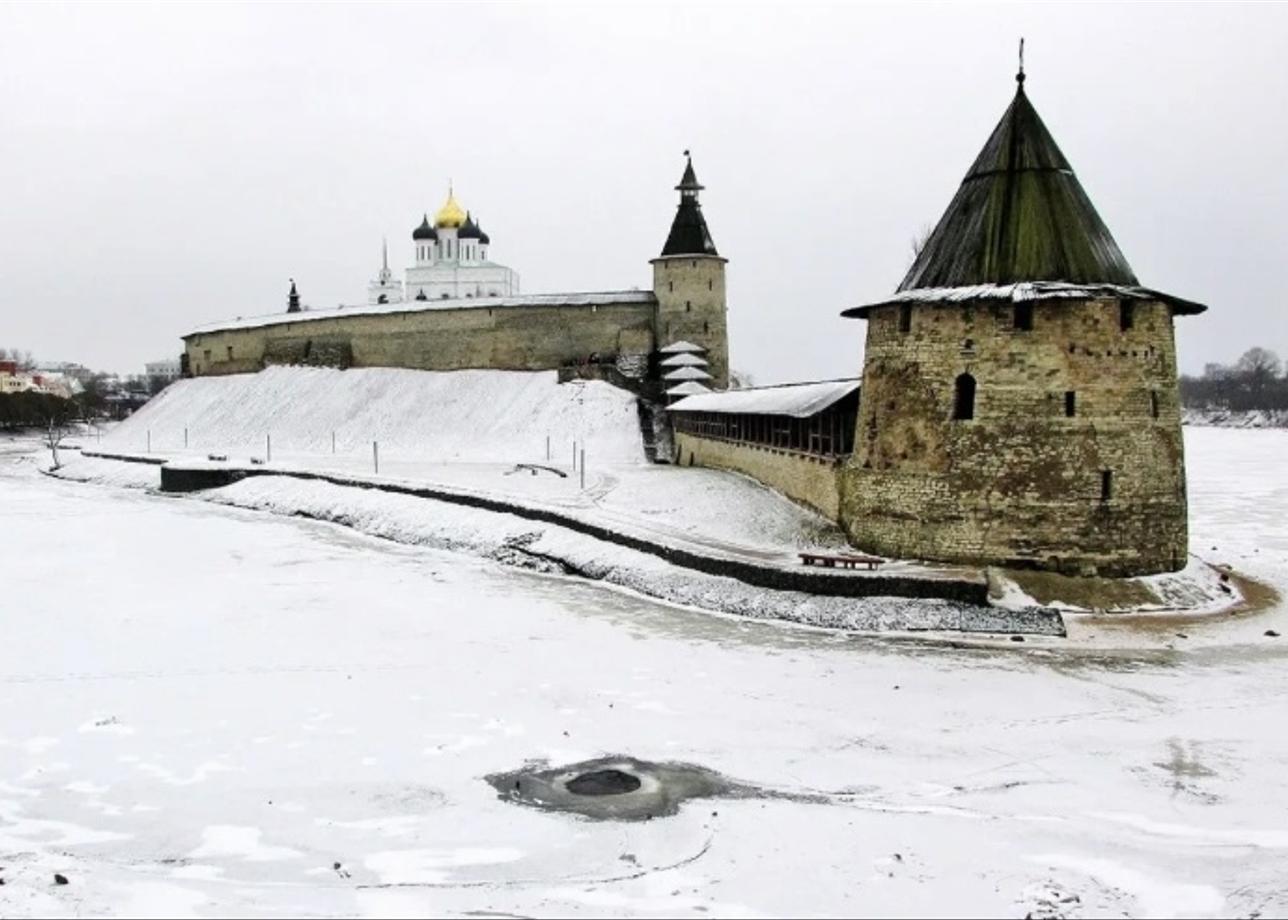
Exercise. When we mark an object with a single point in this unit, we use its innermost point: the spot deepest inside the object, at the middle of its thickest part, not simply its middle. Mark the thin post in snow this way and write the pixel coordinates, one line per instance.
(268, 447)
(574, 456)
(583, 469)
(149, 440)
(547, 448)
(375, 456)
(333, 442)
(185, 438)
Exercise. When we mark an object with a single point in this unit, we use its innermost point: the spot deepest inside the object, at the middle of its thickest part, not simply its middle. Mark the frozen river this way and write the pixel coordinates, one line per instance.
(206, 710)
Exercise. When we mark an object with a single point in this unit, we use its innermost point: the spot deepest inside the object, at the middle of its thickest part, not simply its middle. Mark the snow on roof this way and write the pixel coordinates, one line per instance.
(417, 306)
(676, 348)
(1022, 291)
(688, 388)
(686, 373)
(684, 360)
(798, 400)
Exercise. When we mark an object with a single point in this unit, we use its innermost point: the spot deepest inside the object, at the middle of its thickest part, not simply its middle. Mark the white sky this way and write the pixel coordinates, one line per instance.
(166, 166)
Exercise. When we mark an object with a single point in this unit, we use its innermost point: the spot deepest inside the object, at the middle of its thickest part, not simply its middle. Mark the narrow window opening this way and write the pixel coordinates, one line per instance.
(670, 285)
(1024, 316)
(1153, 403)
(1126, 314)
(230, 352)
(1070, 403)
(1106, 485)
(706, 327)
(710, 284)
(905, 317)
(688, 306)
(964, 398)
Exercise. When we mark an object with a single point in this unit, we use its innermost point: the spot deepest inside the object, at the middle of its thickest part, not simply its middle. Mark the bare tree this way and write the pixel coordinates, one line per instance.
(740, 380)
(1259, 362)
(1259, 368)
(919, 241)
(54, 437)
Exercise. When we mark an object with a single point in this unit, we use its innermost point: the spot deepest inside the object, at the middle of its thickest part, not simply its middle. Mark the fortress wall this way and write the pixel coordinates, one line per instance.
(809, 480)
(1021, 483)
(503, 338)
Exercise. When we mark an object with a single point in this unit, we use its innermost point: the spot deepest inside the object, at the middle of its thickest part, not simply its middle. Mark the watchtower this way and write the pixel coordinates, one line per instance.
(1019, 401)
(689, 281)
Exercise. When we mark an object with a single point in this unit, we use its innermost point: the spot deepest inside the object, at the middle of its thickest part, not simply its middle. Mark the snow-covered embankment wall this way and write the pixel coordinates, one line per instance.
(467, 416)
(1224, 418)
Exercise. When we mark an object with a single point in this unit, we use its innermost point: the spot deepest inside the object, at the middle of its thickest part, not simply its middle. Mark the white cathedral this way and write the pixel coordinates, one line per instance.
(451, 263)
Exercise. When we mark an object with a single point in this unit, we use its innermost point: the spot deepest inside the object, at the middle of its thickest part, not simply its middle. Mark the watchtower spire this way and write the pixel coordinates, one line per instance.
(689, 234)
(1019, 77)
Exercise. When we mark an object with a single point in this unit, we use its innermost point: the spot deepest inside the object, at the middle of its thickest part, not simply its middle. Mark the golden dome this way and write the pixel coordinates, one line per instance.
(450, 214)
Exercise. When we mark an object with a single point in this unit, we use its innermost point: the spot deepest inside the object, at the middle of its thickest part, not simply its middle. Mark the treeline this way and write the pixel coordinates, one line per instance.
(37, 410)
(19, 357)
(1255, 382)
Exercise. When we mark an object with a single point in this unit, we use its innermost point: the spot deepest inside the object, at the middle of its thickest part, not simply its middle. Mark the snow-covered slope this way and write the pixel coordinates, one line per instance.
(1224, 418)
(473, 415)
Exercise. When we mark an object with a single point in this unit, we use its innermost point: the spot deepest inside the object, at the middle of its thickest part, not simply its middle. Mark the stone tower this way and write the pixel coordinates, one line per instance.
(1019, 402)
(689, 281)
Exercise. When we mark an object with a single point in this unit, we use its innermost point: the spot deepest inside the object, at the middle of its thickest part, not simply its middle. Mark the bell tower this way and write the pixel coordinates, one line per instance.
(689, 282)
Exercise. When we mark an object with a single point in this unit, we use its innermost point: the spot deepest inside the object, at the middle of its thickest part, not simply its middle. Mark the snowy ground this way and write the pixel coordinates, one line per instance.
(206, 709)
(469, 430)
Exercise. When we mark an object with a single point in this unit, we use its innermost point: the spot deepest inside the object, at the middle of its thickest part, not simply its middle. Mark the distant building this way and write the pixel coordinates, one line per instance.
(452, 260)
(10, 379)
(14, 380)
(384, 288)
(166, 369)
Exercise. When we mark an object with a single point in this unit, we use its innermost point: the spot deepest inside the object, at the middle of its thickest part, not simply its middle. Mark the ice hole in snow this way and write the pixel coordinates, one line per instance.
(603, 782)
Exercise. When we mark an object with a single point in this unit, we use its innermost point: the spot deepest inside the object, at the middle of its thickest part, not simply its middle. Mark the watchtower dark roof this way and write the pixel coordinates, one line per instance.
(1019, 215)
(1020, 227)
(689, 234)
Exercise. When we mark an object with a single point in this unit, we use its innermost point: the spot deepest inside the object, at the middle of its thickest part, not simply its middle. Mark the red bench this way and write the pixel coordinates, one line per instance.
(845, 562)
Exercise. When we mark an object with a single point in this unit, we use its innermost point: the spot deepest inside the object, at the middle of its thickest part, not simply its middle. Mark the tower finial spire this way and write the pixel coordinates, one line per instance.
(689, 185)
(1019, 77)
(384, 253)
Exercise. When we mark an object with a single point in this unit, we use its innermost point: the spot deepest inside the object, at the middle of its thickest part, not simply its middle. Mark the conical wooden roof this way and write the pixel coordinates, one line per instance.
(1021, 227)
(689, 234)
(1019, 215)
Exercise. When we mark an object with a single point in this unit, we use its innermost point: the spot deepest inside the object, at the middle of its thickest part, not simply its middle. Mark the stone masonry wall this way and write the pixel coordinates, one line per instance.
(1021, 483)
(809, 480)
(507, 338)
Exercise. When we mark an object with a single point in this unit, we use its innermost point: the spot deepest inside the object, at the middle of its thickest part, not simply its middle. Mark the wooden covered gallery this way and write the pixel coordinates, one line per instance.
(809, 418)
(792, 437)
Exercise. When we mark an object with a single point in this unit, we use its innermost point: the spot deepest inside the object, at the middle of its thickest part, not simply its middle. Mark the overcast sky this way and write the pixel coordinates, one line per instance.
(166, 166)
